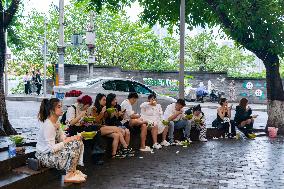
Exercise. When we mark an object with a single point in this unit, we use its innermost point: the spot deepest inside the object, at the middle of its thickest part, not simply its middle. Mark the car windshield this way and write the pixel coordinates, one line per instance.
(83, 84)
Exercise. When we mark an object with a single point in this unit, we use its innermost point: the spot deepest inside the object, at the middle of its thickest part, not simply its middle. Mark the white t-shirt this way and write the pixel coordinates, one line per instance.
(171, 110)
(149, 111)
(50, 138)
(71, 114)
(126, 105)
(153, 114)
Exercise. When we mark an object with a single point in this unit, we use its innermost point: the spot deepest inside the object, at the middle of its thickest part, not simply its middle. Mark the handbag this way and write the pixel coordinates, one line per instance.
(33, 164)
(217, 124)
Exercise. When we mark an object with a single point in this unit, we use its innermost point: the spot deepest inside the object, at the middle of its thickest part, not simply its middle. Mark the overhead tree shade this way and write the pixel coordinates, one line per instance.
(256, 25)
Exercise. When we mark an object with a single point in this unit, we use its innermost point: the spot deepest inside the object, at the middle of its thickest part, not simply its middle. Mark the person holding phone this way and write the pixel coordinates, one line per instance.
(244, 118)
(114, 118)
(223, 121)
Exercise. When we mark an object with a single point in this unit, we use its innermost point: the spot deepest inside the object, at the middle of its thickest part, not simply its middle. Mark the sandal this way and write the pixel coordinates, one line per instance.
(78, 172)
(76, 178)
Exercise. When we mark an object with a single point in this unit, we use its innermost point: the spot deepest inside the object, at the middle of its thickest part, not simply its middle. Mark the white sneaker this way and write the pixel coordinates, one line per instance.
(178, 143)
(146, 149)
(203, 139)
(188, 139)
(157, 146)
(165, 143)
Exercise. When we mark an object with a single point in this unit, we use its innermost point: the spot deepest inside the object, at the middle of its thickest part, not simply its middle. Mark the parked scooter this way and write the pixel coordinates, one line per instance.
(216, 95)
(201, 92)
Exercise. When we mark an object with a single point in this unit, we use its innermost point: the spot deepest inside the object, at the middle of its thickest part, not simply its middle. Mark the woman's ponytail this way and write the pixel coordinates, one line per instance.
(44, 110)
(46, 107)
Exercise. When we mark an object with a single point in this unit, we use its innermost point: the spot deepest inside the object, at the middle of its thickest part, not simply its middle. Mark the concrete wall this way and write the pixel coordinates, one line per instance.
(166, 82)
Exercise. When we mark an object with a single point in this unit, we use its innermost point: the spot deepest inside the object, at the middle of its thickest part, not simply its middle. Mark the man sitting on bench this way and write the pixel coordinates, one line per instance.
(174, 113)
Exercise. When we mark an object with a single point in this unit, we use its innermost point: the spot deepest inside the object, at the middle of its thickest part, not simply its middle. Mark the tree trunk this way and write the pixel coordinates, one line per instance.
(5, 126)
(275, 93)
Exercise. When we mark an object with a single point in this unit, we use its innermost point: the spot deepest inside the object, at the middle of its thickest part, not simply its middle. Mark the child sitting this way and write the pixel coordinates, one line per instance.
(197, 118)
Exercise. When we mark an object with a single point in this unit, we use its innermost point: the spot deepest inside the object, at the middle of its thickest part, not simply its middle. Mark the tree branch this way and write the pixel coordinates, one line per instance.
(10, 12)
(227, 23)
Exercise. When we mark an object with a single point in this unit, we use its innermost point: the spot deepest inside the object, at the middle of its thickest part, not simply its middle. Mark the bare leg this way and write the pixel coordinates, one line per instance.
(154, 132)
(122, 141)
(115, 142)
(127, 136)
(143, 127)
(165, 132)
(109, 130)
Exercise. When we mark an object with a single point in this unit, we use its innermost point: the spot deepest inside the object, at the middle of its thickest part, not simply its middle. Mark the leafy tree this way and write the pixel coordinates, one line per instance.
(119, 42)
(257, 25)
(5, 23)
(203, 53)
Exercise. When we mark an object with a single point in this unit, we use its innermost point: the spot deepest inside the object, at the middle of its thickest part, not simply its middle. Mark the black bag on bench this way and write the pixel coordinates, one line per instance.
(33, 164)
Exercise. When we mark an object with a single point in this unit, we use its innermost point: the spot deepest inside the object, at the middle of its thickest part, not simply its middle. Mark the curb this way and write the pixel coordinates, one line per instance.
(26, 98)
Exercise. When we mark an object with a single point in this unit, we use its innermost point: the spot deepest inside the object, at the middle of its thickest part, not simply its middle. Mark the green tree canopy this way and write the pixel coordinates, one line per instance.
(205, 54)
(257, 25)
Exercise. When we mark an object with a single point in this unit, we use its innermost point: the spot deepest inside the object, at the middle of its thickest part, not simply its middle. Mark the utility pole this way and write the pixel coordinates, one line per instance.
(182, 34)
(6, 65)
(61, 44)
(6, 54)
(45, 52)
(90, 42)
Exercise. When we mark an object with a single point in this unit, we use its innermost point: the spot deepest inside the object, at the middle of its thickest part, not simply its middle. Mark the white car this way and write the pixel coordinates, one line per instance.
(120, 87)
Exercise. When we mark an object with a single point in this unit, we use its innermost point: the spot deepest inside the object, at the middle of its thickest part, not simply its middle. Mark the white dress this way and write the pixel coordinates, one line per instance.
(153, 114)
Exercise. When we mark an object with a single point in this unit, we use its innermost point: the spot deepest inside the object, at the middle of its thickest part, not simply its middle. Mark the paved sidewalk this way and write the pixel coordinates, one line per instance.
(23, 97)
(216, 164)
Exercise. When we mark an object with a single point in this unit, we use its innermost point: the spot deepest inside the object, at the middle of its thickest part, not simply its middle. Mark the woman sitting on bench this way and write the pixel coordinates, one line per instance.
(244, 119)
(54, 149)
(153, 113)
(223, 121)
(100, 113)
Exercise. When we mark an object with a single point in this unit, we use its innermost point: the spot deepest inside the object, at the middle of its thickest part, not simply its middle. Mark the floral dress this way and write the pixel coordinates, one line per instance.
(64, 156)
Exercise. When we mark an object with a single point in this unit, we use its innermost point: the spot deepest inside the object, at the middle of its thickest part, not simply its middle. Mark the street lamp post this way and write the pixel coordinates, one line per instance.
(90, 42)
(182, 34)
(45, 52)
(61, 45)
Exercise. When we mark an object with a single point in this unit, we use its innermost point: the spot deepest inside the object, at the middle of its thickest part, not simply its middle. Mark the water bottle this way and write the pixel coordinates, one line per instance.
(12, 149)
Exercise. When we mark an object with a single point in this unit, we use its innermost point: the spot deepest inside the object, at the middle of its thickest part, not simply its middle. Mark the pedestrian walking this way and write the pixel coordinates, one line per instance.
(27, 83)
(38, 82)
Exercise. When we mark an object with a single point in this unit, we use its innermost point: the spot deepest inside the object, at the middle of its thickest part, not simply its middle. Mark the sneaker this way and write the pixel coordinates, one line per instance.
(188, 139)
(165, 143)
(128, 152)
(80, 173)
(178, 143)
(203, 139)
(118, 155)
(157, 146)
(254, 135)
(172, 143)
(146, 149)
(251, 136)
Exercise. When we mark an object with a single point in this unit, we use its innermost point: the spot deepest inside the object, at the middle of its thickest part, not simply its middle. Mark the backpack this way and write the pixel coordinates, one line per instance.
(63, 118)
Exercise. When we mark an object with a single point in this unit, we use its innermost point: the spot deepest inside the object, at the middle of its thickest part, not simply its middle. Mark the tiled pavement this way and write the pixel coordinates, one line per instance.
(219, 163)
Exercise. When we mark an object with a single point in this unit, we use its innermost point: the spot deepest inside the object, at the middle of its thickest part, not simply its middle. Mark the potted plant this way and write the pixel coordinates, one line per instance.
(18, 140)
